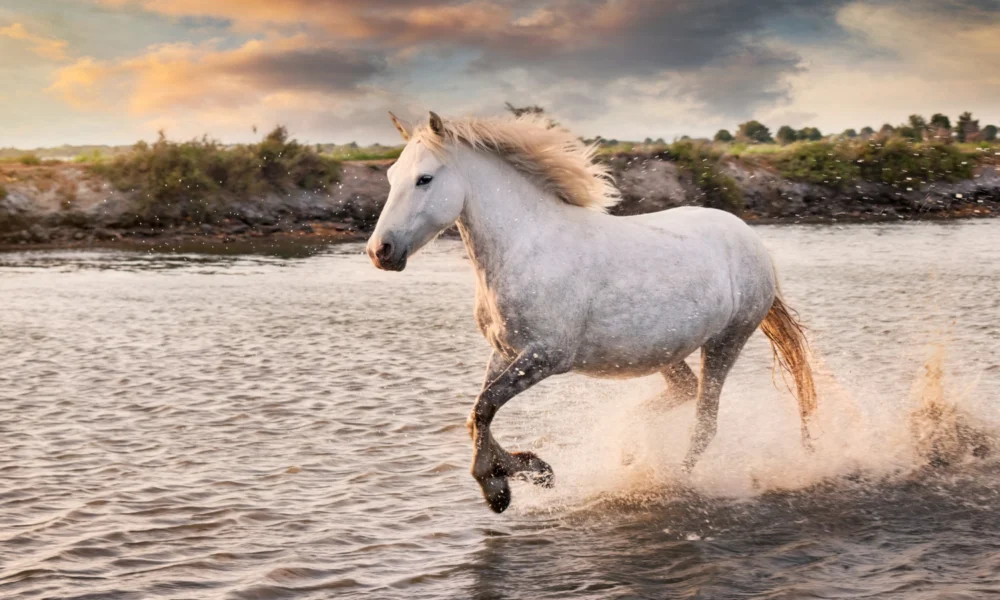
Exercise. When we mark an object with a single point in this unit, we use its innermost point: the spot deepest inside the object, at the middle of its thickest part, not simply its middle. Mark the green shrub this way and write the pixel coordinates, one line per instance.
(809, 134)
(820, 162)
(896, 161)
(196, 180)
(701, 160)
(754, 132)
(723, 136)
(786, 135)
(29, 159)
(901, 161)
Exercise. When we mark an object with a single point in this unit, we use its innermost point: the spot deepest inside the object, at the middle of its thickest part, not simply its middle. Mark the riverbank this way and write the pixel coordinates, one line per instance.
(70, 205)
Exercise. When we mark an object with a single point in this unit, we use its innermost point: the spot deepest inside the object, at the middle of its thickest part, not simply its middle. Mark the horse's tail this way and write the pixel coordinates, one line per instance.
(791, 355)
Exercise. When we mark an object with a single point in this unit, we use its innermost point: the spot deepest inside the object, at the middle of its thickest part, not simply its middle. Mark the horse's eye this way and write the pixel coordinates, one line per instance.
(424, 180)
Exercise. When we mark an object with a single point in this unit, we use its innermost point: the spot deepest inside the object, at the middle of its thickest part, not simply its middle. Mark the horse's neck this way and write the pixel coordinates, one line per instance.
(506, 217)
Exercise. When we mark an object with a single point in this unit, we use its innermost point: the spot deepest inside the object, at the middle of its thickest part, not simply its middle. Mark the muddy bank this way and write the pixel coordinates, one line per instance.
(651, 183)
(67, 205)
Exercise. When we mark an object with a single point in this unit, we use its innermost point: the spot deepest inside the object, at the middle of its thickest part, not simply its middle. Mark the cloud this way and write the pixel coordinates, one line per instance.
(739, 84)
(599, 41)
(615, 67)
(185, 76)
(897, 59)
(940, 44)
(47, 48)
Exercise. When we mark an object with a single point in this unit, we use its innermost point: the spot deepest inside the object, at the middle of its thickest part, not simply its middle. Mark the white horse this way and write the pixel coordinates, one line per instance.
(562, 286)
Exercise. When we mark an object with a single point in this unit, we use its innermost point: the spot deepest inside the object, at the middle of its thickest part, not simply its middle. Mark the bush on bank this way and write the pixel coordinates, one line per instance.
(197, 180)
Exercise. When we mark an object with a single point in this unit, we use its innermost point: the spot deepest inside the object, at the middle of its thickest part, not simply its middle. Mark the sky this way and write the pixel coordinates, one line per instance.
(115, 71)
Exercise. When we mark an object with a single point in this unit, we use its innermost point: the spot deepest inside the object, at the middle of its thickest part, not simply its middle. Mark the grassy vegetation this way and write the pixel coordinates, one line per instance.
(349, 153)
(3, 192)
(898, 161)
(197, 180)
(833, 162)
(627, 148)
(817, 162)
(838, 162)
(743, 149)
(893, 161)
(91, 157)
(29, 159)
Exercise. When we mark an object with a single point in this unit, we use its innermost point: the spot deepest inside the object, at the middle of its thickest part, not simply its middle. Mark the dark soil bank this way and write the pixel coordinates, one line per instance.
(67, 205)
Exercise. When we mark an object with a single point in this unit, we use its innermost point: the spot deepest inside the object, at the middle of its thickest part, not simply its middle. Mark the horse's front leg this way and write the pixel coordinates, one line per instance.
(491, 464)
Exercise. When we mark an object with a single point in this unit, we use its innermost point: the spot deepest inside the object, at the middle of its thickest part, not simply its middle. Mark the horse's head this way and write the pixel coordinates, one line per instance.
(426, 197)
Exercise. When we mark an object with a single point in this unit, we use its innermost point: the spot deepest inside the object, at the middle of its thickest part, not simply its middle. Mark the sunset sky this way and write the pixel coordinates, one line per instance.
(114, 71)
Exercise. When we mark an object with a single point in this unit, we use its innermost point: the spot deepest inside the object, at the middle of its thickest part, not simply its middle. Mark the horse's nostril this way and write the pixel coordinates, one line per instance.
(384, 251)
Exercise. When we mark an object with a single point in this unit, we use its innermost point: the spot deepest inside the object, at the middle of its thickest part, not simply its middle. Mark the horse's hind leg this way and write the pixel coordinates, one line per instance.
(717, 358)
(682, 387)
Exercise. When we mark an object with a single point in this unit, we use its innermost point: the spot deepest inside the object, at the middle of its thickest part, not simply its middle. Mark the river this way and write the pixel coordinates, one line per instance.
(293, 426)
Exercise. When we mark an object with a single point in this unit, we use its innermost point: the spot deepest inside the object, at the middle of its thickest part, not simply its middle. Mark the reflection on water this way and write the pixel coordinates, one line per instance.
(250, 426)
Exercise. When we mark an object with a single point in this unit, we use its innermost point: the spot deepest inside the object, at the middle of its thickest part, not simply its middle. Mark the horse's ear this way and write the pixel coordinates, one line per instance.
(437, 125)
(401, 126)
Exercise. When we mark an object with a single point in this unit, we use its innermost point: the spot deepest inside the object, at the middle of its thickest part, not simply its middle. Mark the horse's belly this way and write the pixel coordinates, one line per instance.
(621, 358)
(610, 371)
(642, 332)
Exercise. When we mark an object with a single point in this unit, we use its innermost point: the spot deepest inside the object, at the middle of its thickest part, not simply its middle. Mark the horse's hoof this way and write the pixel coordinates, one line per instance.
(534, 469)
(496, 491)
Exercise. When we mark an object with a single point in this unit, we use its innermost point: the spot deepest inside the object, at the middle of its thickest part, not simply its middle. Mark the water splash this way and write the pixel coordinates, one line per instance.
(943, 432)
(616, 451)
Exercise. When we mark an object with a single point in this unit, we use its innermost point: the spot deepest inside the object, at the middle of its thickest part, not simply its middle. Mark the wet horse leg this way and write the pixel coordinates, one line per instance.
(717, 358)
(491, 464)
(682, 387)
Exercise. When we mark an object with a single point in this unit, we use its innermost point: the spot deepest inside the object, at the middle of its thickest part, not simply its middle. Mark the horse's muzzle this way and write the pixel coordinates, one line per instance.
(387, 255)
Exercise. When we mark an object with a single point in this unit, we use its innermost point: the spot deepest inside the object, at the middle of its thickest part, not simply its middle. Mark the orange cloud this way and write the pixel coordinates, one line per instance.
(80, 83)
(343, 16)
(186, 76)
(49, 48)
(400, 22)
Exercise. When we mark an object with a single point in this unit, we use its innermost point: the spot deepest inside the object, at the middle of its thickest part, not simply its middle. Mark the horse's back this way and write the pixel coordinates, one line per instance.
(734, 245)
(683, 218)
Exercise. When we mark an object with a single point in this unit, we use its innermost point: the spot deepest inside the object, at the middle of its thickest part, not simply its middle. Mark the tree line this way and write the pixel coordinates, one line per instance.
(938, 128)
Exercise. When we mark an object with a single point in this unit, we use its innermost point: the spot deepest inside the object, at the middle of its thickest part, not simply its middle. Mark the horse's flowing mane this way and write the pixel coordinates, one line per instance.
(552, 157)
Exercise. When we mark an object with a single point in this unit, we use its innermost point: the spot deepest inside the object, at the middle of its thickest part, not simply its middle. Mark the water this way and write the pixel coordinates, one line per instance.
(189, 426)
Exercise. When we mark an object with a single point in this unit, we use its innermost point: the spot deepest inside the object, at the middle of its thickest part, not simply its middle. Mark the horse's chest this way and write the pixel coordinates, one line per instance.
(508, 321)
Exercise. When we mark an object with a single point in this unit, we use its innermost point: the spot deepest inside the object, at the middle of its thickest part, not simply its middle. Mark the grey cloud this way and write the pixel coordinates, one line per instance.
(708, 47)
(737, 85)
(316, 69)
